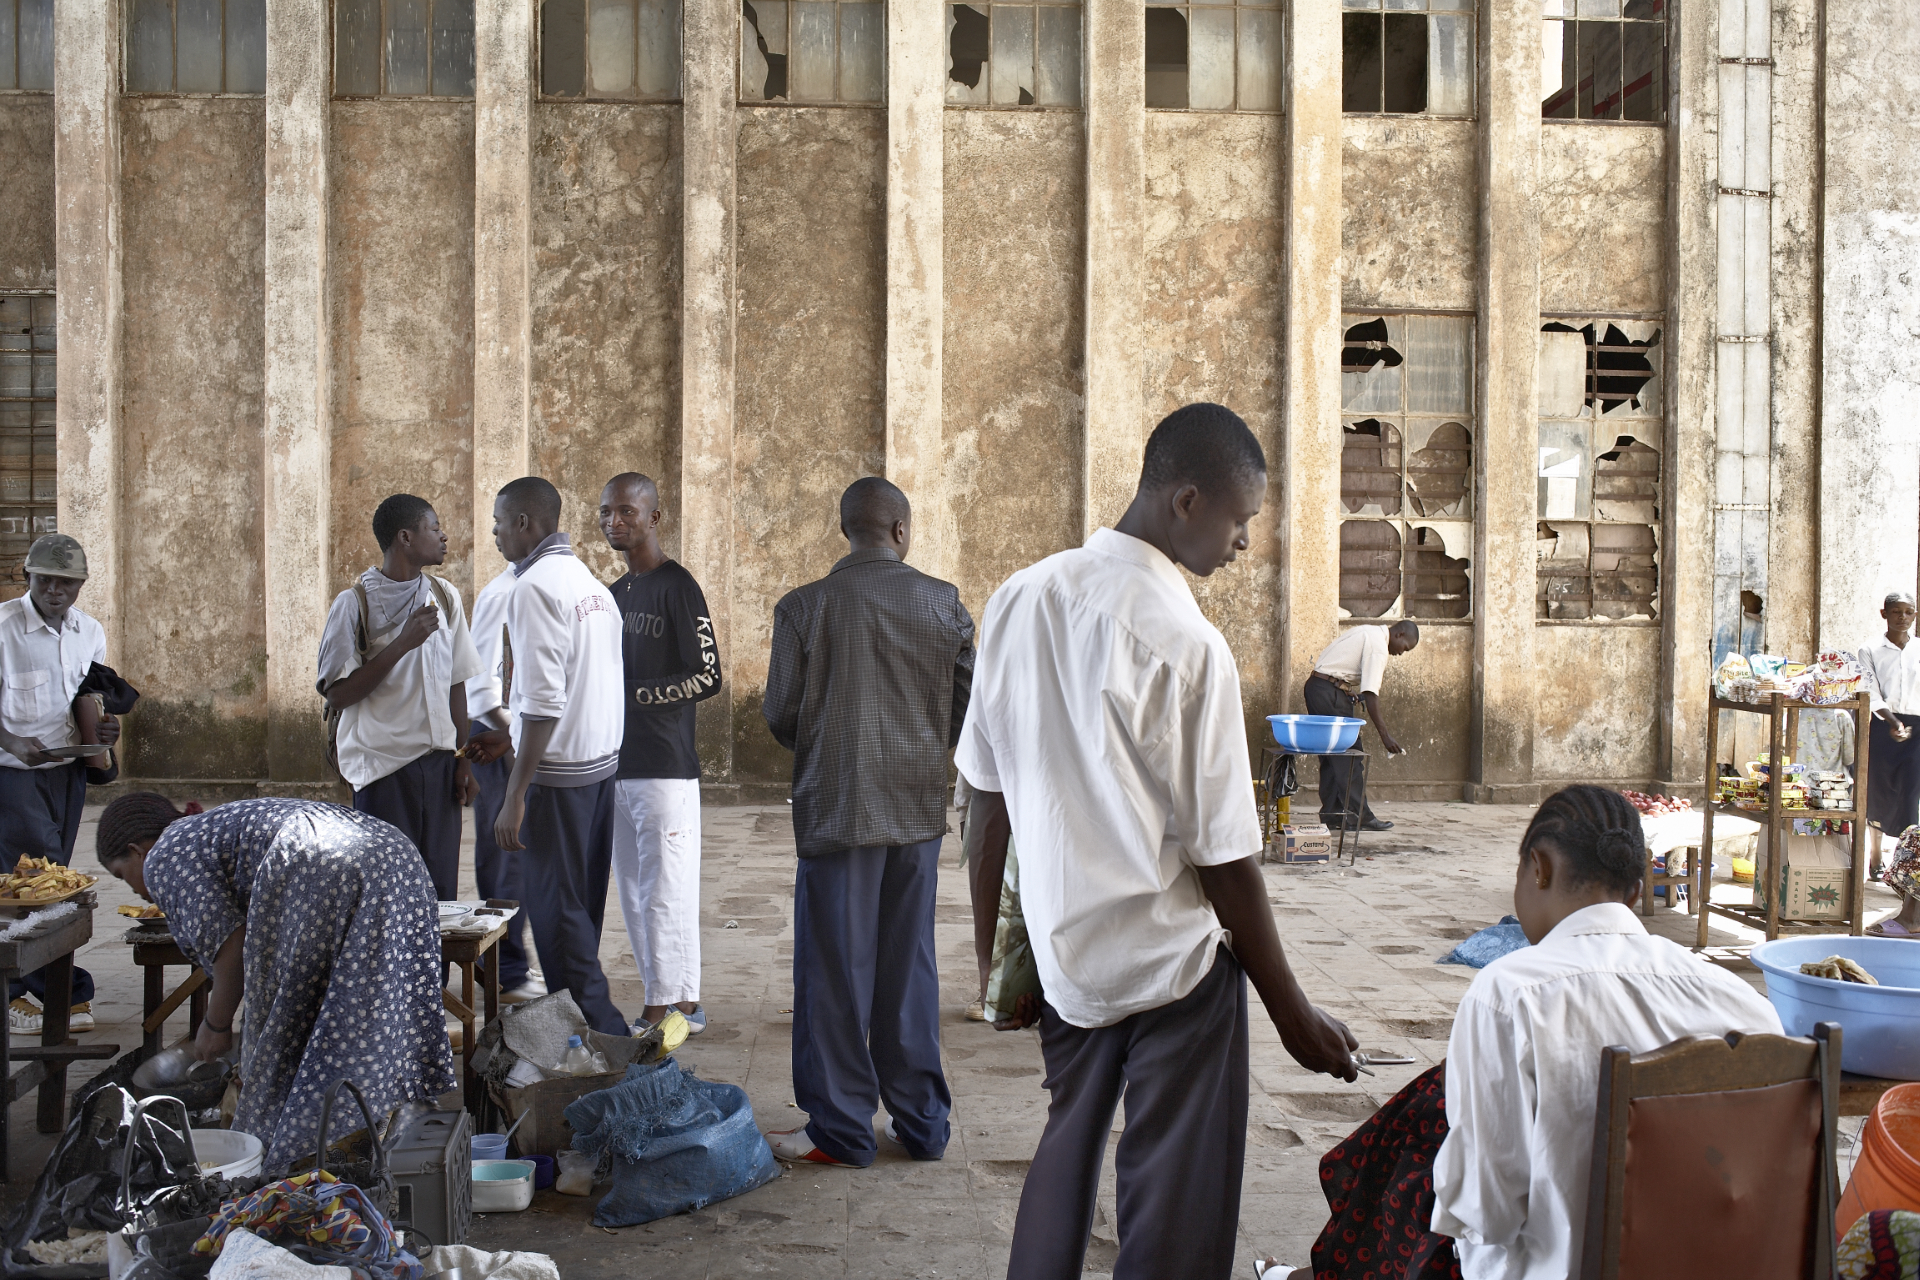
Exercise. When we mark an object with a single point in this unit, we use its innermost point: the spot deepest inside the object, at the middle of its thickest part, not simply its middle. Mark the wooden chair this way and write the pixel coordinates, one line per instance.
(1715, 1157)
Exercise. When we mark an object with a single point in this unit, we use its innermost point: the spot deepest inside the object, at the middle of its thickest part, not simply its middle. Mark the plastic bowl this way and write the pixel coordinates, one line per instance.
(502, 1186)
(487, 1146)
(1315, 735)
(1879, 1026)
(229, 1152)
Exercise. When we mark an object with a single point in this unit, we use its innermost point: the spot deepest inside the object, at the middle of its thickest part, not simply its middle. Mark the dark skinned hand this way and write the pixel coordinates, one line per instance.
(109, 732)
(421, 624)
(1026, 1013)
(466, 788)
(488, 745)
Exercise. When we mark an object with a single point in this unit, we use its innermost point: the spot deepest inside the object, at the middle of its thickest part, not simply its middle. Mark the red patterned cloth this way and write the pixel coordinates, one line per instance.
(1379, 1188)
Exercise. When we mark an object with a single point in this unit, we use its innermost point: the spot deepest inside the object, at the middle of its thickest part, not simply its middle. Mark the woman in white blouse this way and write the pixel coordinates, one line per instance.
(1492, 1182)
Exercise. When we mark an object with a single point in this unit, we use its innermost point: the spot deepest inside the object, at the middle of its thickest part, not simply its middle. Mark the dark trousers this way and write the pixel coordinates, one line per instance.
(418, 799)
(1893, 778)
(566, 865)
(496, 871)
(40, 818)
(1337, 776)
(1184, 1069)
(866, 1000)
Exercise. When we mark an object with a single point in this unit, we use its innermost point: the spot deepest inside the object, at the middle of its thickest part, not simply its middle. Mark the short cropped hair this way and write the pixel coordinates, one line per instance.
(401, 511)
(1205, 445)
(1408, 628)
(534, 496)
(1896, 597)
(872, 505)
(634, 477)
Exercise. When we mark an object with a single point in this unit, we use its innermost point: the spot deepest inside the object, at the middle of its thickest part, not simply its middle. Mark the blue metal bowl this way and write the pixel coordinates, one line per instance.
(1315, 735)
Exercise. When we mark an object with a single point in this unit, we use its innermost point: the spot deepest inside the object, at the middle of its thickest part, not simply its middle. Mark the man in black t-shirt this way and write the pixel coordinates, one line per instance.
(671, 662)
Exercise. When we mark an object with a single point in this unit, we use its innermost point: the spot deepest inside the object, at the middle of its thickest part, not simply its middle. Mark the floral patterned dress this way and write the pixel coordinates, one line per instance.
(342, 956)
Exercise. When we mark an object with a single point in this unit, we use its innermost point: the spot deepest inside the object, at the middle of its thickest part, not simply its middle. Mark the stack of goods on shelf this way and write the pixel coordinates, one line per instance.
(1830, 790)
(1830, 679)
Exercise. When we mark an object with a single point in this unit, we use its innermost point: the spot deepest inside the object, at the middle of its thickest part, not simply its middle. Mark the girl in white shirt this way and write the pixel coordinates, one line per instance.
(1479, 1167)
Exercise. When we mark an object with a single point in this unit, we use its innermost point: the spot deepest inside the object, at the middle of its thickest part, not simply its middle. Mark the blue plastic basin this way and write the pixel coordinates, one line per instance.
(1317, 735)
(1879, 1026)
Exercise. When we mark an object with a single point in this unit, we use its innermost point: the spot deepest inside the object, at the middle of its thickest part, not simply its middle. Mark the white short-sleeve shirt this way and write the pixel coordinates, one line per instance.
(1106, 708)
(41, 667)
(489, 624)
(1359, 657)
(1896, 675)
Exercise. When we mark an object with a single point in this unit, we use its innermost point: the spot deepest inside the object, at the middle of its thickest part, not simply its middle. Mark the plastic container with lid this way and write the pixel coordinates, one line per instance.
(502, 1186)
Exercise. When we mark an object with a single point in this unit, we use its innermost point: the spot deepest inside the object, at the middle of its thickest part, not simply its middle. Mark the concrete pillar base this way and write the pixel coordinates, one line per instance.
(1501, 793)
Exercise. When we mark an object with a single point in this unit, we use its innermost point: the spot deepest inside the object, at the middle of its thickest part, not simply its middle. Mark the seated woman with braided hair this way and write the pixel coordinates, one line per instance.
(325, 920)
(1479, 1168)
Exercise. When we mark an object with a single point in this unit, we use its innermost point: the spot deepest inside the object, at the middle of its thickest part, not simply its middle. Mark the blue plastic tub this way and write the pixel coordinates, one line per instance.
(1316, 735)
(1879, 1026)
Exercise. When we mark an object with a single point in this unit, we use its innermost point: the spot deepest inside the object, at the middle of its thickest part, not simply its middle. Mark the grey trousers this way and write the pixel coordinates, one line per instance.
(1184, 1068)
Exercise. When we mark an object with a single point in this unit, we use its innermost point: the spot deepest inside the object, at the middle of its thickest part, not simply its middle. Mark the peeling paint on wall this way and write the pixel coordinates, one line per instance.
(1407, 230)
(1603, 211)
(26, 193)
(1597, 699)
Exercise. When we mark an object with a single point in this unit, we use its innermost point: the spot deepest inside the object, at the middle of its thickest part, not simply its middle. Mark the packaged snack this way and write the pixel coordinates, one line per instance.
(1732, 675)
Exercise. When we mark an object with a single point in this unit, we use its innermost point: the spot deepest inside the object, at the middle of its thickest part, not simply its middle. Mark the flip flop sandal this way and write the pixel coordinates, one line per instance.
(1890, 929)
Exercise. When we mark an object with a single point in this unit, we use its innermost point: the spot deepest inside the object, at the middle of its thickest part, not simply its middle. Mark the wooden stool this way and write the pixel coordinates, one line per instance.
(1673, 880)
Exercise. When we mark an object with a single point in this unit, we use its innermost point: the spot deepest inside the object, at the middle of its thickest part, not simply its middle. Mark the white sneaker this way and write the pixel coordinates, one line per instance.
(531, 989)
(24, 1018)
(1266, 1270)
(795, 1146)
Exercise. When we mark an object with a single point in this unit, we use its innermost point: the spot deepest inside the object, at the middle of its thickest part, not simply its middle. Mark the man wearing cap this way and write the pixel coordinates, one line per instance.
(47, 647)
(1893, 783)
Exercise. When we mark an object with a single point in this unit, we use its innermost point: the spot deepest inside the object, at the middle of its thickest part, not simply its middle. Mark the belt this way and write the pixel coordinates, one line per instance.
(1345, 686)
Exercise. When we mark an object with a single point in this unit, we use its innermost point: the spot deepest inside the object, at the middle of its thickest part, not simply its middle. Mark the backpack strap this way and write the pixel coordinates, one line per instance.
(443, 596)
(361, 640)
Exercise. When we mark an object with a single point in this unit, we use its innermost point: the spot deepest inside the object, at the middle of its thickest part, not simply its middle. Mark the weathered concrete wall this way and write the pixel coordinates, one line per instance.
(1603, 217)
(606, 309)
(1408, 187)
(1013, 393)
(1870, 428)
(193, 210)
(1427, 699)
(401, 276)
(26, 196)
(1598, 704)
(1212, 327)
(810, 373)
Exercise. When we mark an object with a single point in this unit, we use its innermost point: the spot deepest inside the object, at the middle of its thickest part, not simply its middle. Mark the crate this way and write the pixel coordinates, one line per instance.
(431, 1157)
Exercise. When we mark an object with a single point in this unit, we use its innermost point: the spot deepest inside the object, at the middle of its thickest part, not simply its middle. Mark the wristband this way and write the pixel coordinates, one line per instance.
(215, 1028)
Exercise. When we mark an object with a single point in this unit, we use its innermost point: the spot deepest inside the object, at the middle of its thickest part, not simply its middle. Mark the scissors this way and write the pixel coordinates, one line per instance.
(1367, 1061)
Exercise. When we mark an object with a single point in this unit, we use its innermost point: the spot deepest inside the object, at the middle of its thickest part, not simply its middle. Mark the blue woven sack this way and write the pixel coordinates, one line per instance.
(678, 1143)
(1488, 945)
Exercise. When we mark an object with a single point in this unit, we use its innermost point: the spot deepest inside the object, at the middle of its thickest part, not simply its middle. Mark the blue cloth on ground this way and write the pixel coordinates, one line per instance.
(678, 1143)
(1488, 945)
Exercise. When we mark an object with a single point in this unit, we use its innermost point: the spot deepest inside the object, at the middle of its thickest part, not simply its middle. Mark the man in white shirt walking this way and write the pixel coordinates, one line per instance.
(47, 646)
(395, 658)
(1106, 736)
(1893, 781)
(568, 719)
(1348, 674)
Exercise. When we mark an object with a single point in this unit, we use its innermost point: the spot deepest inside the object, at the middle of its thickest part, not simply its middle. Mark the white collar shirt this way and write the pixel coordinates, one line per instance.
(1523, 1071)
(486, 691)
(41, 667)
(1359, 657)
(1106, 709)
(1896, 675)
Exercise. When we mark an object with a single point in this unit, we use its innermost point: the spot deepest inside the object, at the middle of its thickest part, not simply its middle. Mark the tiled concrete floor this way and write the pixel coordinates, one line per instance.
(1363, 939)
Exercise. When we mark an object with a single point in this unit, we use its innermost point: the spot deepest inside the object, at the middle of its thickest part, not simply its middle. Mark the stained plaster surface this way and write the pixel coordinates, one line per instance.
(1013, 350)
(1363, 941)
(1603, 210)
(1407, 187)
(193, 218)
(1597, 702)
(1425, 700)
(606, 310)
(810, 372)
(401, 232)
(26, 196)
(1212, 328)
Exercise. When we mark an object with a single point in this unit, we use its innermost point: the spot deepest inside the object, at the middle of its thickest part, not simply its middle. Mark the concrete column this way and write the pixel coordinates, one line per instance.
(1506, 387)
(916, 80)
(1309, 476)
(298, 408)
(1116, 87)
(1689, 485)
(86, 179)
(502, 249)
(706, 342)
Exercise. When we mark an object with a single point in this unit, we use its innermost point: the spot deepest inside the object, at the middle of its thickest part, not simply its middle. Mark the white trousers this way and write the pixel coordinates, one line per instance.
(656, 863)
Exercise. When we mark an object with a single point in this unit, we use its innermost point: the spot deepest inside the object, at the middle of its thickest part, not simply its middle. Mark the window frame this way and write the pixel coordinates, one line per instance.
(13, 581)
(1469, 12)
(788, 100)
(384, 94)
(173, 45)
(1278, 8)
(1034, 7)
(1665, 99)
(12, 83)
(587, 93)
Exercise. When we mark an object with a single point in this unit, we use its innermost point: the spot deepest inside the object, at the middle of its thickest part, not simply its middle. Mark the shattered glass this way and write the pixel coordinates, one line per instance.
(1369, 567)
(1565, 476)
(1440, 469)
(1626, 483)
(1370, 457)
(1012, 62)
(1438, 584)
(763, 50)
(1370, 364)
(968, 51)
(1166, 56)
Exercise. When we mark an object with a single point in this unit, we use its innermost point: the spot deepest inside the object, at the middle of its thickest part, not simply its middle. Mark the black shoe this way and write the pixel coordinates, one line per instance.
(1376, 824)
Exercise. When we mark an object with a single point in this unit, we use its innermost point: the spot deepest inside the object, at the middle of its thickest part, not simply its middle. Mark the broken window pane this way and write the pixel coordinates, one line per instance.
(34, 45)
(1059, 61)
(1360, 54)
(1166, 59)
(1370, 361)
(1012, 64)
(969, 47)
(1626, 483)
(1404, 71)
(1369, 567)
(149, 45)
(1565, 479)
(1440, 469)
(563, 48)
(1415, 56)
(1624, 577)
(1601, 67)
(610, 47)
(863, 53)
(406, 47)
(1643, 59)
(763, 50)
(1437, 584)
(1557, 79)
(1370, 468)
(1258, 60)
(1561, 588)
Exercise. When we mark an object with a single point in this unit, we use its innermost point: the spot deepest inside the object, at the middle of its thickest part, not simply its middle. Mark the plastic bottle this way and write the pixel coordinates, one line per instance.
(582, 1061)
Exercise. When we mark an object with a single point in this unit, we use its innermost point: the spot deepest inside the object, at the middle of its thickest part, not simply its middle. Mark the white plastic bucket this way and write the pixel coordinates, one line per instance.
(227, 1153)
(502, 1186)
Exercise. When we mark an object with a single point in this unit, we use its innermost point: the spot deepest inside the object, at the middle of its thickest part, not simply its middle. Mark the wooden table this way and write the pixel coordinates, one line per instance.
(51, 948)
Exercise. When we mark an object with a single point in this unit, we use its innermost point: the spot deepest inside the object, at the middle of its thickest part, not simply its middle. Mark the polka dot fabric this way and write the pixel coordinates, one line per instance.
(1379, 1189)
(342, 955)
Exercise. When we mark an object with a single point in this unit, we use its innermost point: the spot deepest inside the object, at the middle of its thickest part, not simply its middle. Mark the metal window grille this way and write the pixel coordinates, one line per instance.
(805, 52)
(1412, 57)
(403, 48)
(617, 50)
(196, 46)
(1013, 55)
(27, 473)
(26, 45)
(1406, 466)
(1604, 60)
(1214, 57)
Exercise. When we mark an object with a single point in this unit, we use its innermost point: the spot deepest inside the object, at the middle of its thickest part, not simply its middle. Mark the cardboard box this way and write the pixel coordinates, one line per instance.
(1307, 842)
(544, 1103)
(1814, 879)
